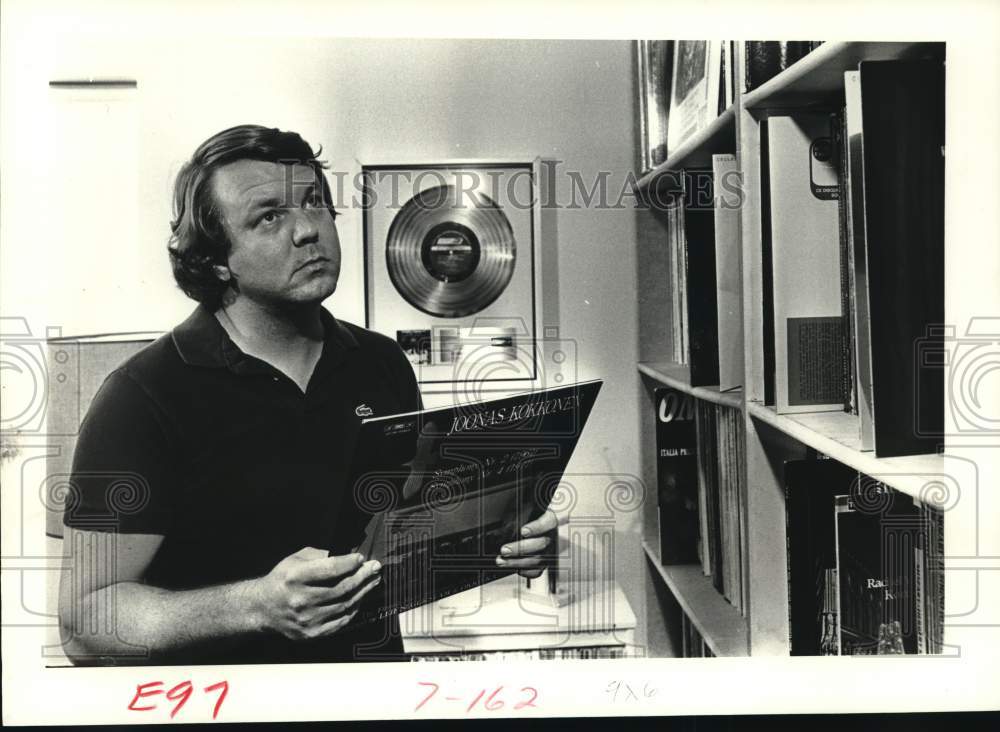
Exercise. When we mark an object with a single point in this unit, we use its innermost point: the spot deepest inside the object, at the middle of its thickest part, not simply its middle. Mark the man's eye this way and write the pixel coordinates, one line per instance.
(269, 217)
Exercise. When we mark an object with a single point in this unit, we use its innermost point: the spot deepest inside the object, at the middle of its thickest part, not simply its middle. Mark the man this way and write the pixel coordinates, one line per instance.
(221, 452)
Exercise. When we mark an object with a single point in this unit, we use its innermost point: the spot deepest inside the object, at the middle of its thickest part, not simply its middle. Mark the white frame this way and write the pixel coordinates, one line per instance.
(545, 321)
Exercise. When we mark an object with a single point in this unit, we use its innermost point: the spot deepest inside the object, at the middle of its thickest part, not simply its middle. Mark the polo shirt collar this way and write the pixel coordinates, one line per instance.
(202, 341)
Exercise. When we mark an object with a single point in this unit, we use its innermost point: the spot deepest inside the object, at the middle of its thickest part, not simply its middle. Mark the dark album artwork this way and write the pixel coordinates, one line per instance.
(438, 492)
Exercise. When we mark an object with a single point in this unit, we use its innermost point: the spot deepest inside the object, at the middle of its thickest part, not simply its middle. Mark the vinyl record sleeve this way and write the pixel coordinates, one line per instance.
(804, 225)
(694, 93)
(902, 118)
(676, 476)
(877, 534)
(699, 283)
(728, 270)
(811, 488)
(435, 494)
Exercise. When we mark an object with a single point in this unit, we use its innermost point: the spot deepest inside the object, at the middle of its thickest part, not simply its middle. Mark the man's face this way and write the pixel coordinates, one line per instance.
(285, 248)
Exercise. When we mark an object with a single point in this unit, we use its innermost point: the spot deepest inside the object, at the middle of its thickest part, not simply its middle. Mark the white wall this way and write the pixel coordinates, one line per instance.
(365, 101)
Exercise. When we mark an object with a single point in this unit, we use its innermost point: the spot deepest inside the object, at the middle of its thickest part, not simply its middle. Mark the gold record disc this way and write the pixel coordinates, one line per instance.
(450, 255)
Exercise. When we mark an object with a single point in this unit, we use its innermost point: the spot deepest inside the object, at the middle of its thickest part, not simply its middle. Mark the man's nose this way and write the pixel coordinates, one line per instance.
(306, 230)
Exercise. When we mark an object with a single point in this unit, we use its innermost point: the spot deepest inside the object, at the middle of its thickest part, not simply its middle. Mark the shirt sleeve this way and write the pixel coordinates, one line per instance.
(122, 473)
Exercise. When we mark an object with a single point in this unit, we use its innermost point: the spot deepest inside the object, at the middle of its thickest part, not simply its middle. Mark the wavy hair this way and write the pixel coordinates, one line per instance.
(198, 240)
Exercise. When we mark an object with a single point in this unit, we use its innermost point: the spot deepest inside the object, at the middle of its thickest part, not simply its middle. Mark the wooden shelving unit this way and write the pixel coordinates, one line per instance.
(815, 82)
(836, 434)
(818, 79)
(678, 377)
(697, 150)
(720, 624)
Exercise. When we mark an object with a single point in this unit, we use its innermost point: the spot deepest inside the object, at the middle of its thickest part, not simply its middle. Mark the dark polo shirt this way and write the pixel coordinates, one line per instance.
(234, 465)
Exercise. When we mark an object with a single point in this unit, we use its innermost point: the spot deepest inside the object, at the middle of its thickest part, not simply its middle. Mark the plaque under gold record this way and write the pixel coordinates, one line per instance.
(450, 253)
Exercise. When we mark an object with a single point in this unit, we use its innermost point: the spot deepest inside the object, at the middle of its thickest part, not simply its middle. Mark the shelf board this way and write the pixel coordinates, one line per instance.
(836, 434)
(678, 376)
(718, 137)
(819, 76)
(720, 624)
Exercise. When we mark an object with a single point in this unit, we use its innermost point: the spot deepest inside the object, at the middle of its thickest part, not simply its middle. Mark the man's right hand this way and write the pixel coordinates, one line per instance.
(311, 595)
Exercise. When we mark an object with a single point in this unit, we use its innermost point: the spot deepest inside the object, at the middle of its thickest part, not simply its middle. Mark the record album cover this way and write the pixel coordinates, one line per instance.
(436, 493)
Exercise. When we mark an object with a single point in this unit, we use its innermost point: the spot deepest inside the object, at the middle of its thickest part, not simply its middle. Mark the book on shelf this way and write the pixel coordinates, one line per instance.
(742, 502)
(708, 493)
(727, 95)
(693, 644)
(841, 152)
(654, 60)
(721, 498)
(436, 493)
(853, 206)
(676, 254)
(676, 477)
(929, 561)
(879, 535)
(725, 71)
(698, 244)
(901, 118)
(865, 564)
(800, 226)
(694, 98)
(729, 289)
(738, 501)
(811, 487)
(690, 245)
(727, 508)
(766, 272)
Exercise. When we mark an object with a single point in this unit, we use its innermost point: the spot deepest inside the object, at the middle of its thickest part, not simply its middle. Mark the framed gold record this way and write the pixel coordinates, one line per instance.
(450, 257)
(452, 269)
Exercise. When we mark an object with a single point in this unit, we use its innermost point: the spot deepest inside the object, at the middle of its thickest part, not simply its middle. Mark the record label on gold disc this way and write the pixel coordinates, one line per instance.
(450, 254)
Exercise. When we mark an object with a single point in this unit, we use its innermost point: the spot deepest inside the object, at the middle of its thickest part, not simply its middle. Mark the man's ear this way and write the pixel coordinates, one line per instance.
(222, 272)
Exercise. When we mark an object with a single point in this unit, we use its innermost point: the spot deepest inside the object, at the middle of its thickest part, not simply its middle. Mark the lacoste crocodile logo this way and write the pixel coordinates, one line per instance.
(363, 410)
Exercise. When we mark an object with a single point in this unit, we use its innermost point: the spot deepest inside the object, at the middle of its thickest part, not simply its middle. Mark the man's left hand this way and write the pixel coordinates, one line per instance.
(525, 554)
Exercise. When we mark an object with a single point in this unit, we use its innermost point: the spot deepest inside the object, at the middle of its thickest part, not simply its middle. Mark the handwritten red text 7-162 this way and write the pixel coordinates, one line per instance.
(490, 699)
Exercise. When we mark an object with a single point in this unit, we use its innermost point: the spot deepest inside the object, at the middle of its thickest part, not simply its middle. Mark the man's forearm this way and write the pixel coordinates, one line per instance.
(129, 622)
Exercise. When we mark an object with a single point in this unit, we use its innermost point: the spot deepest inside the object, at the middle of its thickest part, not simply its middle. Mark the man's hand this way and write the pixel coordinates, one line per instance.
(311, 595)
(525, 554)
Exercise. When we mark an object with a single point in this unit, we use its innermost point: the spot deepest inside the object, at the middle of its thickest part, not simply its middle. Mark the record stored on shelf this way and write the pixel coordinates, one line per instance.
(450, 253)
